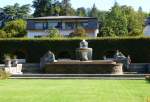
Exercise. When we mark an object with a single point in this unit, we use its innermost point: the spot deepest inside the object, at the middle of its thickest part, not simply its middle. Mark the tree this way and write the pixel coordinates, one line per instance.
(66, 5)
(57, 8)
(16, 28)
(102, 15)
(42, 8)
(123, 21)
(67, 10)
(116, 22)
(94, 11)
(16, 11)
(52, 7)
(23, 11)
(81, 11)
(135, 20)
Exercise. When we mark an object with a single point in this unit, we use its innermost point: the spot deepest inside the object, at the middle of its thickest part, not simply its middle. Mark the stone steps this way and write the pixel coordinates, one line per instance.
(81, 76)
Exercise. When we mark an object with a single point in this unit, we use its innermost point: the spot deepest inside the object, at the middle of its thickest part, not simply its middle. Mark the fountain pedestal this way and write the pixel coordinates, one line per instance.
(84, 54)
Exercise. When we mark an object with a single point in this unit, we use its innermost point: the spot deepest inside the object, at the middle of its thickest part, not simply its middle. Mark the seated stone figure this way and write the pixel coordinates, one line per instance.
(121, 58)
(49, 57)
(119, 55)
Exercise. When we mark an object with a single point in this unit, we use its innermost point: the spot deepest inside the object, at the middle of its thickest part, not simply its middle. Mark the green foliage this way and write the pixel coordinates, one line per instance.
(123, 21)
(51, 8)
(116, 22)
(42, 8)
(16, 28)
(94, 11)
(79, 32)
(3, 34)
(4, 74)
(7, 56)
(135, 32)
(120, 20)
(54, 33)
(81, 11)
(67, 9)
(135, 21)
(101, 46)
(16, 11)
(106, 31)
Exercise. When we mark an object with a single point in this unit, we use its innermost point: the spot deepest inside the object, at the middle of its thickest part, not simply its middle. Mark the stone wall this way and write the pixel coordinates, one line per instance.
(31, 68)
(139, 67)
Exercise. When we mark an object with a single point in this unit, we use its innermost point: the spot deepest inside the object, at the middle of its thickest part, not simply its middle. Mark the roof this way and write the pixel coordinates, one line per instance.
(61, 18)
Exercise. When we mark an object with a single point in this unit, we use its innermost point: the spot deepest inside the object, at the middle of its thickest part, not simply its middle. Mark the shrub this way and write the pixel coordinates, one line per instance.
(106, 31)
(4, 74)
(79, 32)
(7, 57)
(3, 34)
(135, 32)
(147, 77)
(16, 28)
(33, 49)
(54, 33)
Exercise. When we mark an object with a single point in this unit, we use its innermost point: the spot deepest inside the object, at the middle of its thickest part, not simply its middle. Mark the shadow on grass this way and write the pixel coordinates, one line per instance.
(147, 81)
(147, 78)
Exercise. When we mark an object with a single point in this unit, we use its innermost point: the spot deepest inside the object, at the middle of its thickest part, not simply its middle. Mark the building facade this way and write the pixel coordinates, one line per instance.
(147, 27)
(38, 27)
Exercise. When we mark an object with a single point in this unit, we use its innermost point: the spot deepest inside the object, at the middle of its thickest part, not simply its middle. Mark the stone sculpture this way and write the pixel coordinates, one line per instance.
(49, 57)
(118, 55)
(121, 58)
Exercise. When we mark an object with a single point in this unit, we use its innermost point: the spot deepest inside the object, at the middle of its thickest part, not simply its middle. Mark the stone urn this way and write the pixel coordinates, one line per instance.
(84, 53)
(14, 61)
(7, 62)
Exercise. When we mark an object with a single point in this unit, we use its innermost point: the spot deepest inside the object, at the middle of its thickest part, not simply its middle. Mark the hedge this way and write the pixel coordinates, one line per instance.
(33, 49)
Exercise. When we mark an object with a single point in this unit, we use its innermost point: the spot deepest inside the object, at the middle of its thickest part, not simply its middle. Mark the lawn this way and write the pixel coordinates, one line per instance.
(74, 91)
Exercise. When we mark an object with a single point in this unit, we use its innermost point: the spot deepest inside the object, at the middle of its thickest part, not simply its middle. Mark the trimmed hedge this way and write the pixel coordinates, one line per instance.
(32, 49)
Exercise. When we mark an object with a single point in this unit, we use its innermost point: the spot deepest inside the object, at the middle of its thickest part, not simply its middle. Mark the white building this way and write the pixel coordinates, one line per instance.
(37, 27)
(147, 30)
(147, 27)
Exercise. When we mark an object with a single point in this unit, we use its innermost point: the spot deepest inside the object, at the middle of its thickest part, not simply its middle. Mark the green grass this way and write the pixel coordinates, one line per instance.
(74, 90)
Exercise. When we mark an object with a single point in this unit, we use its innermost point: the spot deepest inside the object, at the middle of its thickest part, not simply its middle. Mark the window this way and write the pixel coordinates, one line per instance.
(41, 25)
(38, 25)
(52, 25)
(45, 26)
(84, 24)
(38, 36)
(55, 24)
(69, 25)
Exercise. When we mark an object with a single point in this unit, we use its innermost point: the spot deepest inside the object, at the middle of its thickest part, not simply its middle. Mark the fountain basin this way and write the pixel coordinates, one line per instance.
(83, 67)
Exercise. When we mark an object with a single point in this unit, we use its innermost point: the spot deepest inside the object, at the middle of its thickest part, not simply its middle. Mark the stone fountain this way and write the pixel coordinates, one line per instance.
(83, 65)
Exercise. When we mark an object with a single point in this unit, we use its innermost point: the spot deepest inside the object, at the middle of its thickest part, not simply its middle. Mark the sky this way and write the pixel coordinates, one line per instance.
(101, 4)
